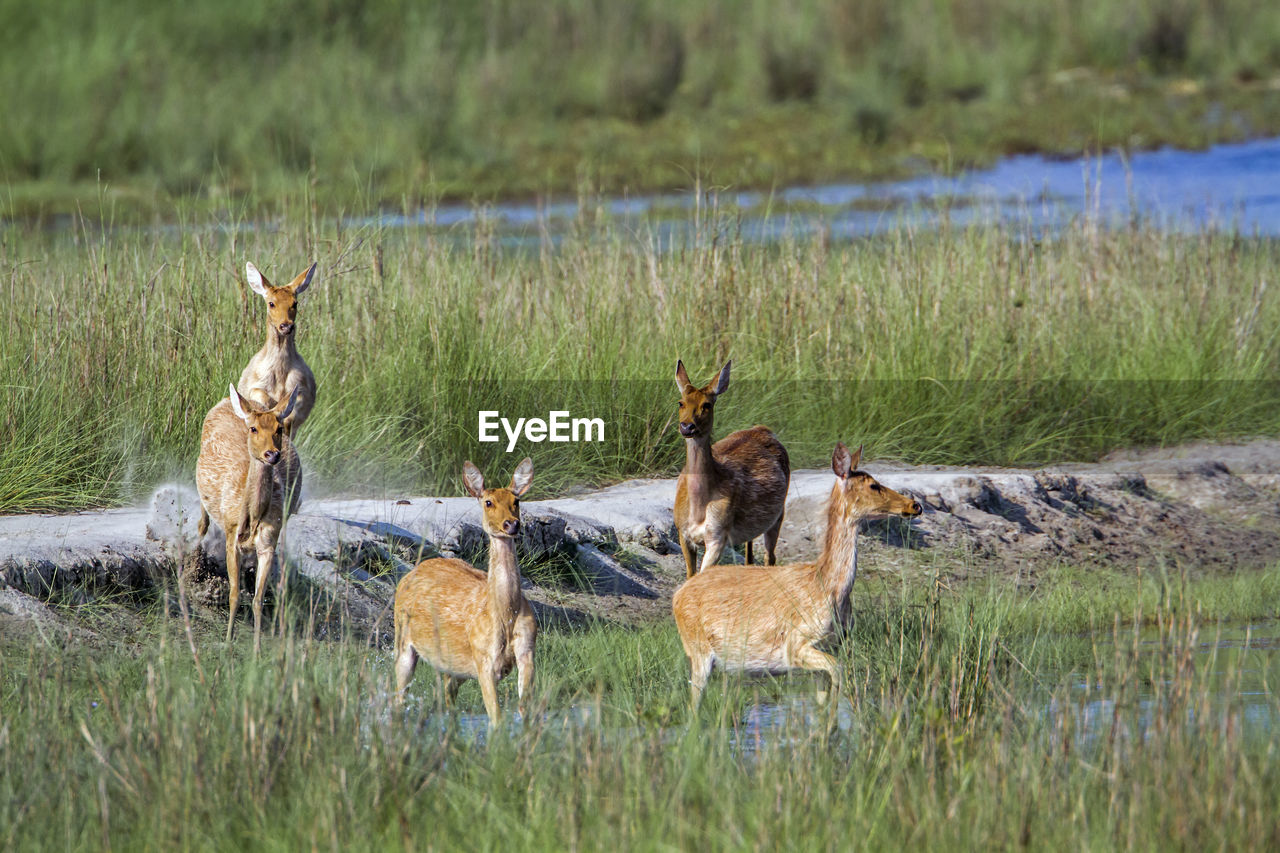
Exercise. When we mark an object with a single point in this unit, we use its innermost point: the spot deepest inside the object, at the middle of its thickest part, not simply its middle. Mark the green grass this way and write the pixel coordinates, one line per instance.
(983, 345)
(970, 725)
(411, 102)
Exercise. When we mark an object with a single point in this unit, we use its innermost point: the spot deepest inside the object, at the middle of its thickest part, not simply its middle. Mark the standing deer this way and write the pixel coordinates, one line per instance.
(468, 624)
(730, 492)
(249, 478)
(277, 371)
(750, 620)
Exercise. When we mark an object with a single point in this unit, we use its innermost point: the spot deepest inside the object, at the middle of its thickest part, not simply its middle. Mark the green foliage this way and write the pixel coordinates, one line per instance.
(987, 345)
(237, 99)
(965, 723)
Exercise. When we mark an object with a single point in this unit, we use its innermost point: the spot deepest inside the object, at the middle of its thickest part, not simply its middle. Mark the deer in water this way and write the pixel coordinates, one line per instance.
(466, 623)
(277, 371)
(249, 478)
(750, 620)
(729, 492)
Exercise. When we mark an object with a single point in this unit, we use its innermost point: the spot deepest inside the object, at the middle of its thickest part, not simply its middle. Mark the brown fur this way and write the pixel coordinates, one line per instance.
(730, 492)
(464, 622)
(249, 478)
(752, 620)
(277, 370)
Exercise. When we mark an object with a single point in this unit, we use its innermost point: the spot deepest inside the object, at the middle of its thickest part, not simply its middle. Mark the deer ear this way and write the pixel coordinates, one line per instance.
(841, 462)
(293, 398)
(722, 380)
(522, 479)
(473, 479)
(303, 281)
(236, 405)
(856, 460)
(682, 377)
(256, 282)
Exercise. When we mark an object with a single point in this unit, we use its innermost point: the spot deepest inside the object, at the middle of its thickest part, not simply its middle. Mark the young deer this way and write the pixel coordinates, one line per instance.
(249, 478)
(276, 372)
(750, 620)
(730, 492)
(468, 624)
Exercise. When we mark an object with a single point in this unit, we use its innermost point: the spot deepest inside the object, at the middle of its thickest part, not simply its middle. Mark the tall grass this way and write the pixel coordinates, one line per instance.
(410, 100)
(986, 345)
(964, 725)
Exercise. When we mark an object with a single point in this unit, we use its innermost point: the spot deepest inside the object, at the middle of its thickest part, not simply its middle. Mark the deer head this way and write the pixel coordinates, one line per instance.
(282, 302)
(857, 493)
(499, 508)
(697, 405)
(266, 427)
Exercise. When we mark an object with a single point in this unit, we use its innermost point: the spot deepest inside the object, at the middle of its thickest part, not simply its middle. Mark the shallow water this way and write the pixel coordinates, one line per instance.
(1235, 187)
(1227, 685)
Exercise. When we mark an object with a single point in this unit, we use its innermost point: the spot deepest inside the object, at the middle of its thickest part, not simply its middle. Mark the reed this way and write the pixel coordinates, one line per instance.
(980, 345)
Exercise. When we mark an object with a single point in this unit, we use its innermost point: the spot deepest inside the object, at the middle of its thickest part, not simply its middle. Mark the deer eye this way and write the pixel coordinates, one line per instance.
(271, 305)
(489, 504)
(875, 487)
(253, 430)
(517, 503)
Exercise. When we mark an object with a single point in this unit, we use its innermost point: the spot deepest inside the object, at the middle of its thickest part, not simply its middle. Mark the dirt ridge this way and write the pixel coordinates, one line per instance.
(1202, 505)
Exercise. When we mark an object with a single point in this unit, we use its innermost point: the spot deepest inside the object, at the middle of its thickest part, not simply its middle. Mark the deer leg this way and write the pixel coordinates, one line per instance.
(406, 661)
(699, 672)
(233, 579)
(808, 657)
(281, 589)
(690, 552)
(202, 526)
(750, 553)
(524, 639)
(771, 543)
(451, 685)
(715, 547)
(489, 691)
(447, 686)
(266, 560)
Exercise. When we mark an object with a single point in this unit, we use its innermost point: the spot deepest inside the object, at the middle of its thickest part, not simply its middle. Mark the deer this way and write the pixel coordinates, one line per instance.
(467, 623)
(277, 370)
(751, 620)
(729, 492)
(249, 478)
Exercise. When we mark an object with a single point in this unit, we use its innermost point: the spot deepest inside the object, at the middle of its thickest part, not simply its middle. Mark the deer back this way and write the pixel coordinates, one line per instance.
(224, 473)
(752, 618)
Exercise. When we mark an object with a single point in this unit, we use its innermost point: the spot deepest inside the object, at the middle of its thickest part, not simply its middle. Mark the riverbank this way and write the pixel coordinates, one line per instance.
(611, 555)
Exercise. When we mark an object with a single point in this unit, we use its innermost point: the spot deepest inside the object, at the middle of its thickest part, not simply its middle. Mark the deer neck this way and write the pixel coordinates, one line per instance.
(279, 345)
(259, 487)
(701, 473)
(504, 578)
(837, 565)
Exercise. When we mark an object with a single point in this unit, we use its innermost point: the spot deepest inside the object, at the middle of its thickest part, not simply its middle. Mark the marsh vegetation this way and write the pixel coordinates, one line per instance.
(989, 344)
(1102, 708)
(405, 103)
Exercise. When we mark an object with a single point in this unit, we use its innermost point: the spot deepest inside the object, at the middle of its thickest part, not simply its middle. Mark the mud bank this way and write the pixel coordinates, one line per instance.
(1205, 506)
